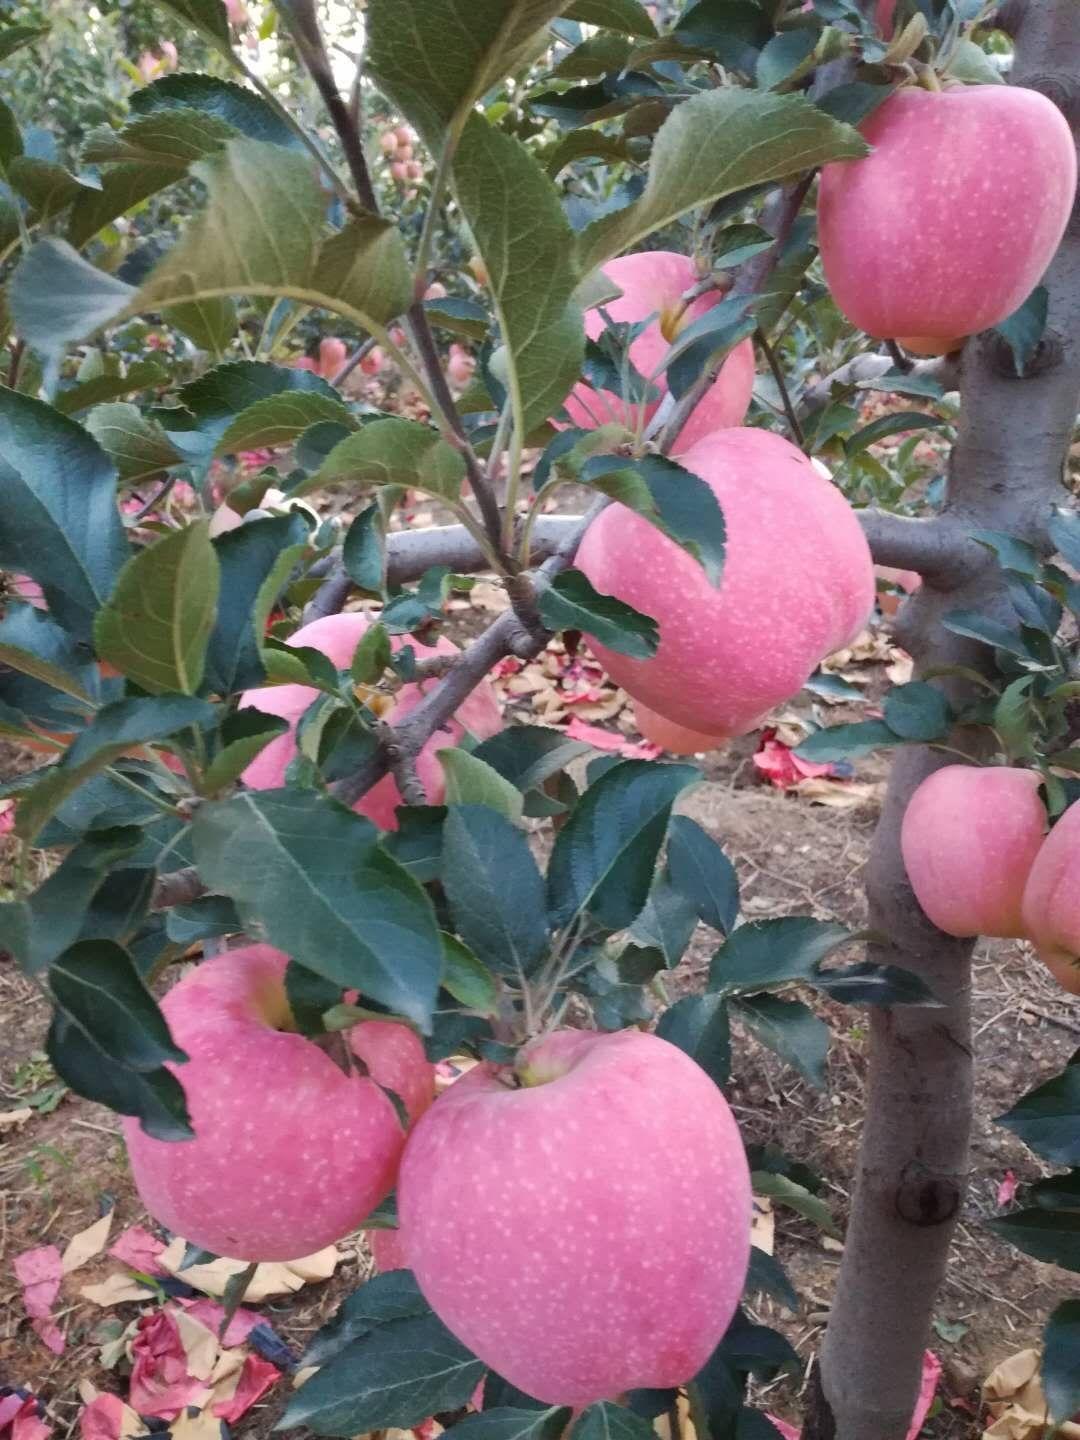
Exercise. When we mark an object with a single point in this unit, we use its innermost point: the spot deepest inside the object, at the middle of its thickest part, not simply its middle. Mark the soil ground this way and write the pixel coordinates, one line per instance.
(64, 1166)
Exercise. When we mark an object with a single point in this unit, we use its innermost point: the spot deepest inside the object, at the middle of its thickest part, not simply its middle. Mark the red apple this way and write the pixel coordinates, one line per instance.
(676, 739)
(969, 838)
(372, 362)
(1051, 904)
(653, 283)
(338, 636)
(947, 225)
(798, 583)
(387, 1250)
(581, 1221)
(332, 356)
(289, 1154)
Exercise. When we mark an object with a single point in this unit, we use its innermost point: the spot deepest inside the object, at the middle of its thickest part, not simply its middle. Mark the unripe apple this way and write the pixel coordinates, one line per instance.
(588, 1232)
(372, 362)
(653, 283)
(676, 739)
(337, 636)
(798, 583)
(1051, 904)
(289, 1154)
(969, 838)
(948, 224)
(332, 356)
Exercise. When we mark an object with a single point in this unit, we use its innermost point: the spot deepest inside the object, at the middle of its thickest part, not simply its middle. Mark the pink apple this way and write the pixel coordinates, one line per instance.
(653, 283)
(305, 362)
(289, 1154)
(435, 291)
(676, 739)
(337, 636)
(948, 224)
(1051, 904)
(400, 171)
(388, 142)
(387, 1250)
(406, 135)
(587, 1232)
(415, 170)
(332, 356)
(969, 838)
(460, 365)
(798, 583)
(372, 362)
(907, 580)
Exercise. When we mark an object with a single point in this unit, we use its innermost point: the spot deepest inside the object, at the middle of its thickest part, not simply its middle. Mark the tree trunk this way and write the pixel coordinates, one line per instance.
(1006, 472)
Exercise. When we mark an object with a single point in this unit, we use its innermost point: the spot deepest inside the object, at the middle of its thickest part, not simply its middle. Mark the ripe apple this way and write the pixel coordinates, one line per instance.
(947, 225)
(1051, 904)
(581, 1221)
(289, 1154)
(387, 1250)
(332, 356)
(907, 580)
(969, 838)
(653, 283)
(388, 142)
(798, 583)
(337, 636)
(676, 739)
(372, 362)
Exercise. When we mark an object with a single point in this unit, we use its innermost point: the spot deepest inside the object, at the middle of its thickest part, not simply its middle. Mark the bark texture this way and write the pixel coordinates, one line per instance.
(1006, 472)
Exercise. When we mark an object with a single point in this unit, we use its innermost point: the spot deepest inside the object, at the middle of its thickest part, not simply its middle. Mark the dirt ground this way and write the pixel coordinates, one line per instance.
(62, 1168)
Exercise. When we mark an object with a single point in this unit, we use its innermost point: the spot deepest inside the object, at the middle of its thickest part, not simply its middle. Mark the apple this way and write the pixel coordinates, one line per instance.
(387, 1250)
(332, 356)
(907, 580)
(581, 1220)
(435, 291)
(798, 583)
(969, 838)
(676, 739)
(337, 636)
(1051, 903)
(653, 283)
(948, 224)
(460, 365)
(372, 362)
(931, 344)
(388, 142)
(290, 1154)
(400, 171)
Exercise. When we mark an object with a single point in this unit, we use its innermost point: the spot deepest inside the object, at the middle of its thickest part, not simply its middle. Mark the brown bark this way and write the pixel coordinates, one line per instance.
(912, 1172)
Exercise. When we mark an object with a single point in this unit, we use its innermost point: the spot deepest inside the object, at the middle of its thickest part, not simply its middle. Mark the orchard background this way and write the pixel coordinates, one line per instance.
(294, 333)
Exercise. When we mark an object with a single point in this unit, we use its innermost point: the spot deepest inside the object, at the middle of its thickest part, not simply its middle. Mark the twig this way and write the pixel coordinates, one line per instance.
(781, 385)
(155, 499)
(944, 370)
(362, 351)
(902, 362)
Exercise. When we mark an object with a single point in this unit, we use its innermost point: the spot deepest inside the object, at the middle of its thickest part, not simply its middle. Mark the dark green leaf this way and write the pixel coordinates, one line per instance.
(208, 916)
(605, 854)
(890, 425)
(990, 632)
(1061, 1361)
(309, 996)
(281, 420)
(383, 1298)
(764, 953)
(135, 442)
(504, 1423)
(157, 1097)
(789, 1028)
(607, 1421)
(393, 451)
(573, 603)
(668, 920)
(675, 500)
(58, 297)
(466, 978)
(255, 561)
(700, 1026)
(1065, 533)
(701, 871)
(785, 58)
(244, 735)
(847, 742)
(495, 890)
(918, 711)
(784, 1191)
(1047, 1119)
(1023, 329)
(1049, 1235)
(395, 1375)
(308, 874)
(854, 102)
(34, 644)
(364, 551)
(767, 1275)
(625, 15)
(527, 755)
(57, 908)
(99, 990)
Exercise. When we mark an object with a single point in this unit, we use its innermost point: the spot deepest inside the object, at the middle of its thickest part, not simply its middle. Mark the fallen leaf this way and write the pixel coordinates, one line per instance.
(105, 1416)
(50, 1334)
(841, 794)
(9, 1119)
(1007, 1189)
(211, 1314)
(39, 1272)
(86, 1244)
(901, 669)
(21, 1417)
(278, 1278)
(606, 740)
(200, 1343)
(255, 1379)
(763, 1224)
(116, 1290)
(138, 1248)
(1015, 1400)
(161, 1383)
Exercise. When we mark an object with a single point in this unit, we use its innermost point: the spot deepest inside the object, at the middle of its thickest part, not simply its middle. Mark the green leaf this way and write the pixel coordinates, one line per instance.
(668, 921)
(308, 874)
(527, 755)
(767, 1276)
(855, 101)
(573, 603)
(1023, 329)
(791, 1030)
(32, 643)
(1065, 533)
(244, 735)
(59, 522)
(700, 1026)
(209, 404)
(140, 375)
(604, 856)
(1047, 1119)
(524, 238)
(918, 711)
(99, 990)
(579, 144)
(785, 1191)
(978, 627)
(115, 728)
(626, 15)
(156, 1096)
(847, 742)
(462, 317)
(14, 37)
(393, 452)
(1049, 1235)
(502, 1422)
(209, 324)
(157, 625)
(467, 979)
(214, 98)
(436, 58)
(395, 1375)
(890, 425)
(57, 297)
(394, 1295)
(676, 501)
(310, 996)
(138, 446)
(607, 1421)
(169, 138)
(786, 58)
(867, 984)
(204, 918)
(495, 890)
(364, 551)
(1061, 1361)
(58, 906)
(470, 781)
(764, 953)
(208, 16)
(701, 871)
(713, 145)
(281, 420)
